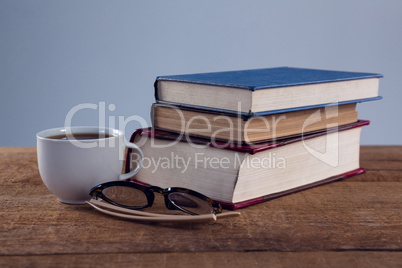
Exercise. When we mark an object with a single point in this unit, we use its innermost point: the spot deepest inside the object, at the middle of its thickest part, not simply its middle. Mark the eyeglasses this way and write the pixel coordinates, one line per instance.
(128, 196)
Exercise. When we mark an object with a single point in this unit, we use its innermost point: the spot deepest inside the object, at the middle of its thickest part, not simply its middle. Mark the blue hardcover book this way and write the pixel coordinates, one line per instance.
(267, 91)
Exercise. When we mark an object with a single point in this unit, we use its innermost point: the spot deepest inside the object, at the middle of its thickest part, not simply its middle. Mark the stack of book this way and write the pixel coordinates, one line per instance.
(244, 137)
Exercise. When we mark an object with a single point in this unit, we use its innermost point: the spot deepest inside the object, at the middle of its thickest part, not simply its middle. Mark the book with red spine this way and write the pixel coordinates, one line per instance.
(236, 175)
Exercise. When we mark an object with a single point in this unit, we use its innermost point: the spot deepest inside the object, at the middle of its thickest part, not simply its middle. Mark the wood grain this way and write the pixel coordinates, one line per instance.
(352, 222)
(212, 259)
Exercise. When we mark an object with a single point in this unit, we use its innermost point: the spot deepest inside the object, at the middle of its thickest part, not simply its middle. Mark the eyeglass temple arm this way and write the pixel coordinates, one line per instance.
(97, 204)
(162, 218)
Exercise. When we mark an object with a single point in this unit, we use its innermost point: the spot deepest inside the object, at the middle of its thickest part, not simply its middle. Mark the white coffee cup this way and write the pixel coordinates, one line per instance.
(71, 167)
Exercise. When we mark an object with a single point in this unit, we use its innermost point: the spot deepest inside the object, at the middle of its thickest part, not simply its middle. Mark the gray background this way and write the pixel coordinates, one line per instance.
(55, 55)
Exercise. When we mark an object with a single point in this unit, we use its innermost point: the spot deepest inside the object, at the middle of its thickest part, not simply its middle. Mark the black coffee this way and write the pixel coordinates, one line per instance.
(81, 136)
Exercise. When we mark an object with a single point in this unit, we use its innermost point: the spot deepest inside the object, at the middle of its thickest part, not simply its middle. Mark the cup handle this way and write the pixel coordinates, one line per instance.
(134, 171)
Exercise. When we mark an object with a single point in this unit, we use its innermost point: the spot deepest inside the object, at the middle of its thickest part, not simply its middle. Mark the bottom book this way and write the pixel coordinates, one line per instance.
(241, 175)
(268, 197)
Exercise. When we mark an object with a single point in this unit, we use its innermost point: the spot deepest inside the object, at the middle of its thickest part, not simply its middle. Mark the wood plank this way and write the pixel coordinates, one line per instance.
(341, 216)
(378, 175)
(212, 259)
(382, 153)
(381, 157)
(381, 165)
(359, 214)
(19, 165)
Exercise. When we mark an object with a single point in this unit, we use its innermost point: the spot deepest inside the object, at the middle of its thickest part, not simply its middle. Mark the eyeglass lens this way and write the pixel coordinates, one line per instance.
(126, 196)
(190, 203)
(131, 197)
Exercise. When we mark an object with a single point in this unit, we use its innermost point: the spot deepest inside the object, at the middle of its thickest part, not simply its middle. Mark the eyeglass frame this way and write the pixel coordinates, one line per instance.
(149, 192)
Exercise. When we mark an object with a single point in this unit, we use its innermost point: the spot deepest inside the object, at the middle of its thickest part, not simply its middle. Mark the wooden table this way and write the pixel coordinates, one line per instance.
(352, 223)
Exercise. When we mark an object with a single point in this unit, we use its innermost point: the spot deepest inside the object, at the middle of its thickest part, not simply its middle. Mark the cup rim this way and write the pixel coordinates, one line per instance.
(44, 134)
